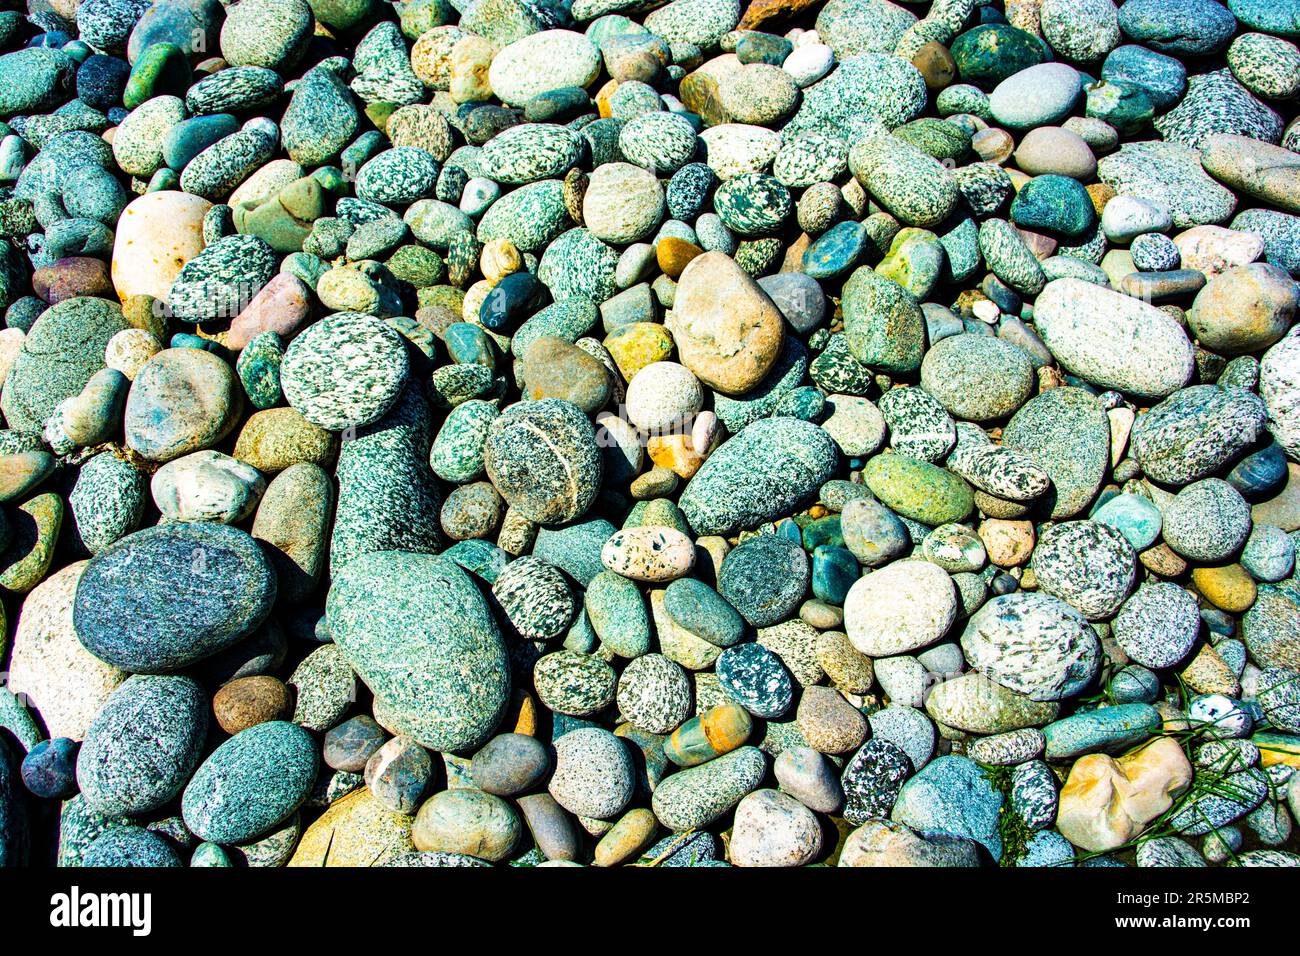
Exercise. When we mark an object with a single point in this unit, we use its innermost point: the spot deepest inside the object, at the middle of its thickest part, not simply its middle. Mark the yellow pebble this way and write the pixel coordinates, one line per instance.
(638, 344)
(499, 259)
(1228, 587)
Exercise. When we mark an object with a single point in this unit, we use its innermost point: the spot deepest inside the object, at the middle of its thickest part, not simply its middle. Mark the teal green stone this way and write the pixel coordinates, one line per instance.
(807, 403)
(530, 216)
(188, 138)
(1055, 204)
(836, 251)
(162, 69)
(251, 783)
(568, 319)
(883, 322)
(468, 343)
(1124, 105)
(1109, 729)
(761, 473)
(1135, 517)
(575, 548)
(131, 846)
(17, 722)
(480, 558)
(991, 52)
(834, 571)
(618, 614)
(704, 612)
(823, 531)
(457, 452)
(577, 265)
(258, 368)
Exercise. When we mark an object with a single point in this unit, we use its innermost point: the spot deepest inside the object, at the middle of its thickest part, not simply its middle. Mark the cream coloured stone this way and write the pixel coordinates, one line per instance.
(155, 236)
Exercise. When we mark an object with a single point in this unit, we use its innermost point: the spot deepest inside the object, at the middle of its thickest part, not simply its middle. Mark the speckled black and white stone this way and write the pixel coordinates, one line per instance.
(234, 89)
(573, 683)
(654, 693)
(345, 371)
(1090, 566)
(536, 598)
(1034, 794)
(1158, 625)
(1196, 431)
(143, 745)
(398, 176)
(1034, 644)
(1216, 103)
(872, 779)
(996, 469)
(755, 678)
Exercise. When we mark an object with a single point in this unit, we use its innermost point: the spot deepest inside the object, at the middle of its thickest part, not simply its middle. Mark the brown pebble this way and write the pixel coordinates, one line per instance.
(248, 701)
(936, 64)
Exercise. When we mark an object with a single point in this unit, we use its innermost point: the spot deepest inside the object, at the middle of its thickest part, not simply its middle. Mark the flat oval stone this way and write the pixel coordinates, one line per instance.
(143, 746)
(58, 357)
(161, 599)
(649, 554)
(251, 783)
(452, 684)
(903, 606)
(761, 473)
(918, 490)
(1196, 431)
(697, 796)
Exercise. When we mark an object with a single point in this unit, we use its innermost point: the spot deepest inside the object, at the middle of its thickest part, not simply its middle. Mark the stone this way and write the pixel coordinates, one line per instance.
(728, 332)
(176, 584)
(464, 671)
(903, 606)
(1033, 644)
(251, 783)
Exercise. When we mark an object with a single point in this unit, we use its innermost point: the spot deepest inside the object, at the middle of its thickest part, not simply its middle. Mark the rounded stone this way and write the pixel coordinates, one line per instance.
(143, 745)
(186, 591)
(593, 773)
(1033, 644)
